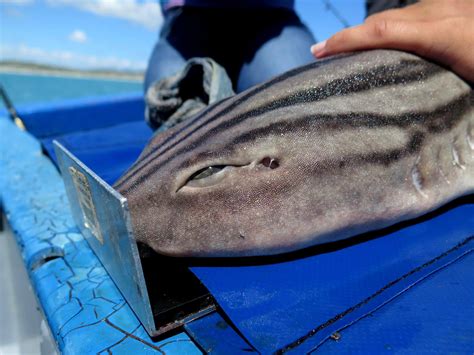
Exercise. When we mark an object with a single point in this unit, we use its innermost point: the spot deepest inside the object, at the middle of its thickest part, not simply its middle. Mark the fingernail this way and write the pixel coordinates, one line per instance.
(318, 48)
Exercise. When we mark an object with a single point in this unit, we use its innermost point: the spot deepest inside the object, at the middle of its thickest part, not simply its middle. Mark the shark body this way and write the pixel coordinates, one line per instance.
(321, 153)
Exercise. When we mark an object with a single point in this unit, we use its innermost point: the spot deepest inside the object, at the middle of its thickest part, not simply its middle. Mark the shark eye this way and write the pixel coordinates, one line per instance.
(206, 172)
(208, 176)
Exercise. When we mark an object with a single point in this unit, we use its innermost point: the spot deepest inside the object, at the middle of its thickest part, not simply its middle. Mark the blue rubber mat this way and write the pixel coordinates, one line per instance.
(296, 302)
(85, 114)
(427, 320)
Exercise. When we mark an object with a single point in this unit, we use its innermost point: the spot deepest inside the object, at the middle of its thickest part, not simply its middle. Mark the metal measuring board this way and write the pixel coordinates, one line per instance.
(162, 291)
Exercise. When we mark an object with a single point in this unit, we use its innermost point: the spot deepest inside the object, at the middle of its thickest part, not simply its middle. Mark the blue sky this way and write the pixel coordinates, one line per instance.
(116, 34)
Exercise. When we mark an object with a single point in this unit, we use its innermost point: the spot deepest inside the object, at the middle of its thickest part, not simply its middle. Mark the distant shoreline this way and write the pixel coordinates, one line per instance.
(26, 68)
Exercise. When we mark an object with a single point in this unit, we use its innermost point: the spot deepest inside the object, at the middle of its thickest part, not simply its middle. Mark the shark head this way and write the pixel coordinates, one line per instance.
(323, 152)
(222, 194)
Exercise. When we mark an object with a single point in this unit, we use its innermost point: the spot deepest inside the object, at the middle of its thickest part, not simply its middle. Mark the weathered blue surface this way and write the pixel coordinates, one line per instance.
(84, 309)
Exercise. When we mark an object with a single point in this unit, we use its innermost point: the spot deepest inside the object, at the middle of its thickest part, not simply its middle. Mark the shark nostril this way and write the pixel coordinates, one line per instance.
(270, 163)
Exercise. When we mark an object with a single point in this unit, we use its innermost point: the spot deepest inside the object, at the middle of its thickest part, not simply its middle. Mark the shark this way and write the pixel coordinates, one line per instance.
(321, 153)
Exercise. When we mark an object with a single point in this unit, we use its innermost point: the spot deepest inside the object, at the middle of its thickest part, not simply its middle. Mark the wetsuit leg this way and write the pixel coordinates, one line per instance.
(374, 6)
(281, 42)
(187, 32)
(165, 60)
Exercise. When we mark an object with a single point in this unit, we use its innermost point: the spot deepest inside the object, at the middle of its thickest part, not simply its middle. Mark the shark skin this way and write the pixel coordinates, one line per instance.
(321, 153)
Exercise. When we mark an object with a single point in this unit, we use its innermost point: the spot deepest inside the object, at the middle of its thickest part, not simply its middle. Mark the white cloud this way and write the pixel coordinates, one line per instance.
(67, 58)
(146, 13)
(78, 36)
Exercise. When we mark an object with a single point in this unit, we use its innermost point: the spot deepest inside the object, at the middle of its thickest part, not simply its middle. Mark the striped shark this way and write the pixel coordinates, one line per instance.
(321, 153)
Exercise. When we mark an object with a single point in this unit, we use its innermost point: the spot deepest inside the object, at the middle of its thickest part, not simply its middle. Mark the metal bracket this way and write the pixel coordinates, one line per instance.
(162, 291)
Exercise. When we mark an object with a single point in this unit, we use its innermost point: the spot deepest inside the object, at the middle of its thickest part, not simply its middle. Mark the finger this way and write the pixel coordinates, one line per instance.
(427, 39)
(447, 40)
(410, 36)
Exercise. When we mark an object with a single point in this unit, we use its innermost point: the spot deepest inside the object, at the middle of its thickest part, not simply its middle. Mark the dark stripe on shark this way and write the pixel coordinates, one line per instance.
(189, 122)
(426, 123)
(252, 92)
(212, 132)
(437, 121)
(328, 167)
(402, 73)
(385, 158)
(432, 122)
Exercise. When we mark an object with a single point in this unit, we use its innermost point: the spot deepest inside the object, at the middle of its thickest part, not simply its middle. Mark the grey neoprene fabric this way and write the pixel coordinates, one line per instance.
(174, 99)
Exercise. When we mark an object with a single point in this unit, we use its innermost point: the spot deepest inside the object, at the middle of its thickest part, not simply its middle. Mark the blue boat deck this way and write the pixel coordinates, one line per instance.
(406, 289)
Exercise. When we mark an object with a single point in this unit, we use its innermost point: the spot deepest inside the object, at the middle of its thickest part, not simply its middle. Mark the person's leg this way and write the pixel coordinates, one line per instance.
(210, 32)
(186, 33)
(374, 6)
(282, 42)
(164, 61)
(192, 32)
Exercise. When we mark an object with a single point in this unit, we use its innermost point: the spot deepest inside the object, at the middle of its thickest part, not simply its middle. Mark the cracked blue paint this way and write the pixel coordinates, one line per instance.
(85, 311)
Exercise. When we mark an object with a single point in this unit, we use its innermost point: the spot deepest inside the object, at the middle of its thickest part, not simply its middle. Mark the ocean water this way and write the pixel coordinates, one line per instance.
(31, 88)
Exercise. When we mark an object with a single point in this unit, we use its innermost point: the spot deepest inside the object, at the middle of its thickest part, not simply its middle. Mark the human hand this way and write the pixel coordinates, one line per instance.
(441, 30)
